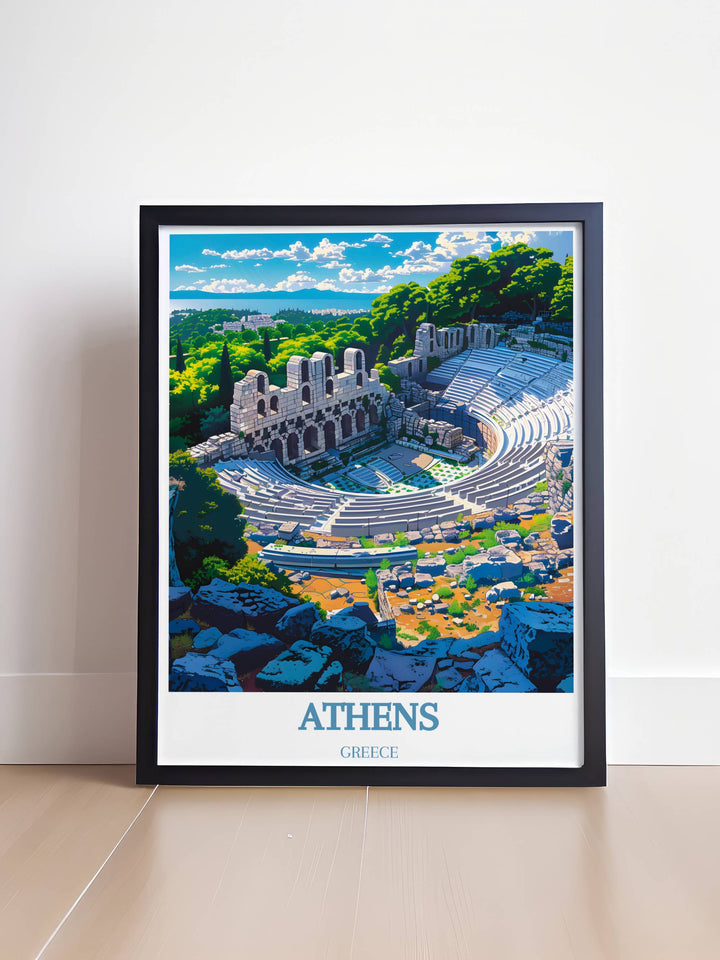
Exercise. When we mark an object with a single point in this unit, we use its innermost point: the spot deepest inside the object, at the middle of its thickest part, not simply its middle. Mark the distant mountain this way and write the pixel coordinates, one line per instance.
(311, 294)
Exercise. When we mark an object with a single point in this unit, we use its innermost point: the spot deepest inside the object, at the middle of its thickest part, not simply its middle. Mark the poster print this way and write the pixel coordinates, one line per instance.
(371, 469)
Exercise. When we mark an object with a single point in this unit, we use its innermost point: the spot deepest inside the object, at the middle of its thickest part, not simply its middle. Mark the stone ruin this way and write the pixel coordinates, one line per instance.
(559, 473)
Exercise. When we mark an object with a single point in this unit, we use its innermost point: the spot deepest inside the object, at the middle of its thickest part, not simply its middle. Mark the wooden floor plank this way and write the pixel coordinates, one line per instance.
(223, 873)
(57, 826)
(625, 873)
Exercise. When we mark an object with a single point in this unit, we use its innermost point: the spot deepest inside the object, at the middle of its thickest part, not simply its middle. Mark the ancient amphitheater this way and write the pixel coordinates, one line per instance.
(517, 401)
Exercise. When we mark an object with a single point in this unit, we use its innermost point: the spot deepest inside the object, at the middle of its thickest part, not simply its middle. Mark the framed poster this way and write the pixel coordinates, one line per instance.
(371, 505)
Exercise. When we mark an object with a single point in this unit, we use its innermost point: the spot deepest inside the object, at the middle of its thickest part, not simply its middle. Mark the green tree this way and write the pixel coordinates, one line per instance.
(371, 582)
(207, 521)
(226, 382)
(396, 312)
(455, 609)
(465, 291)
(215, 421)
(561, 304)
(267, 349)
(533, 285)
(471, 584)
(509, 259)
(179, 356)
(251, 570)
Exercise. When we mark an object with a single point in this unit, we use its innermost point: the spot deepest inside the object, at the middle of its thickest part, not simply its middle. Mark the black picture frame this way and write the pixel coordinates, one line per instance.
(593, 770)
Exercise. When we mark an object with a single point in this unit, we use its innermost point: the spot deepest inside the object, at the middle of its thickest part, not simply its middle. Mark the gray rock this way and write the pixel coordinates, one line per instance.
(200, 672)
(348, 639)
(229, 605)
(561, 530)
(414, 537)
(207, 638)
(449, 679)
(424, 581)
(297, 623)
(176, 627)
(497, 673)
(493, 565)
(383, 539)
(298, 668)
(391, 671)
(538, 637)
(508, 591)
(363, 611)
(180, 598)
(247, 650)
(510, 538)
(331, 677)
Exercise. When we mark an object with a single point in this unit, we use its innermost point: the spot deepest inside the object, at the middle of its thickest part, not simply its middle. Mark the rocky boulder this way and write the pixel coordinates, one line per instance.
(230, 605)
(561, 530)
(297, 623)
(493, 565)
(509, 538)
(538, 637)
(347, 638)
(180, 599)
(297, 669)
(199, 672)
(331, 677)
(392, 671)
(503, 591)
(247, 650)
(497, 673)
(207, 638)
(433, 566)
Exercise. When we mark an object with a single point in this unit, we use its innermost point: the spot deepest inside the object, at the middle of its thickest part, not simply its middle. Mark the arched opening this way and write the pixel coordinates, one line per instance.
(260, 384)
(346, 426)
(277, 448)
(374, 419)
(329, 388)
(420, 365)
(360, 420)
(261, 408)
(274, 404)
(359, 379)
(358, 361)
(329, 431)
(310, 439)
(306, 394)
(487, 337)
(304, 371)
(292, 446)
(409, 368)
(328, 367)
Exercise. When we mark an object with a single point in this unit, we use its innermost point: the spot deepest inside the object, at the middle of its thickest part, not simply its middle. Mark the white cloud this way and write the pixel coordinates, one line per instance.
(379, 238)
(464, 243)
(324, 252)
(332, 265)
(416, 251)
(368, 275)
(523, 236)
(296, 281)
(226, 286)
(219, 266)
(189, 268)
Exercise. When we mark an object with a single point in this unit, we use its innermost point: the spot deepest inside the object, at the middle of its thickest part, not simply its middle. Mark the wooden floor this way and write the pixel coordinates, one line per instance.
(94, 867)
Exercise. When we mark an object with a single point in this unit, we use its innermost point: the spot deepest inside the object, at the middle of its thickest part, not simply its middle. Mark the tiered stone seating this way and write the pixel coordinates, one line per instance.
(529, 400)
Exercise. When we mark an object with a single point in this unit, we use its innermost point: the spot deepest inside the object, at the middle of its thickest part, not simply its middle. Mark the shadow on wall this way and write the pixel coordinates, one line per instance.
(107, 465)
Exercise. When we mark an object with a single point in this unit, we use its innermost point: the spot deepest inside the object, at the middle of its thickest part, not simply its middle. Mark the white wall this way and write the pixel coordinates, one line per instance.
(107, 105)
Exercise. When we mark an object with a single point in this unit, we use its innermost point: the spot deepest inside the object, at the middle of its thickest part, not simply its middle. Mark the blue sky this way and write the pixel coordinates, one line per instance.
(358, 262)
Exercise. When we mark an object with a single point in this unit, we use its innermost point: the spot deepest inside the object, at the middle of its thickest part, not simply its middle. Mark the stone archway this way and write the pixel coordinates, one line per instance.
(374, 418)
(277, 448)
(310, 439)
(360, 420)
(293, 450)
(346, 426)
(329, 434)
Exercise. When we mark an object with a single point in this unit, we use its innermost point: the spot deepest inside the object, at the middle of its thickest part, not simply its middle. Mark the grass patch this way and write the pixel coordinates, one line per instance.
(180, 645)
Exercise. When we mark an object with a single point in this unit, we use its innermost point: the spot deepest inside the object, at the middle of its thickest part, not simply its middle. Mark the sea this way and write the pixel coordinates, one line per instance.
(352, 303)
